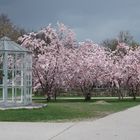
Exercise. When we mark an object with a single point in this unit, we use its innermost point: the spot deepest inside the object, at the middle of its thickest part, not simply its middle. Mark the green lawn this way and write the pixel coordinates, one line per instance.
(68, 110)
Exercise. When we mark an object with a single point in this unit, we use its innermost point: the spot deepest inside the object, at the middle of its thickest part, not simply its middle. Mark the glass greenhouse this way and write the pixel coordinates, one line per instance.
(15, 74)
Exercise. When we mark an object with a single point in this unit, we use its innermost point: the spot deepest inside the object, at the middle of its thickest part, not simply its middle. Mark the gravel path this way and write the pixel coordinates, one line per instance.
(124, 125)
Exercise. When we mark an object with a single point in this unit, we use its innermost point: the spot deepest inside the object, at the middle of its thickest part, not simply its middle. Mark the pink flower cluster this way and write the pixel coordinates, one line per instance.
(60, 62)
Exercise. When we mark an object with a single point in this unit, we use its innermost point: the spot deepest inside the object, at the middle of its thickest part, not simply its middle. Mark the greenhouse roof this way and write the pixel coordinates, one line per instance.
(6, 44)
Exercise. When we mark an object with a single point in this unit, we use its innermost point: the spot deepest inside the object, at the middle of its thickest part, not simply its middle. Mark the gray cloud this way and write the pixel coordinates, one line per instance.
(94, 19)
(7, 2)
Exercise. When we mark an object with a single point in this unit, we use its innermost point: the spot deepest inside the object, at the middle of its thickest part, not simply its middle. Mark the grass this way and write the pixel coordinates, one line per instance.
(68, 110)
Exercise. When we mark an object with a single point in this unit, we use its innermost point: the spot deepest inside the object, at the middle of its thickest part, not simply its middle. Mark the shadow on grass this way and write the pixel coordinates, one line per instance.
(75, 100)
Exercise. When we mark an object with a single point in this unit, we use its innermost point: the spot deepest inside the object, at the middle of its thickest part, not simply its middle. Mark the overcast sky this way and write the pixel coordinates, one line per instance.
(90, 19)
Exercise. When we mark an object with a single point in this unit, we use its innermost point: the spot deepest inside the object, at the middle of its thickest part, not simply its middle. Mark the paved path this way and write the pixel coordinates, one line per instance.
(119, 126)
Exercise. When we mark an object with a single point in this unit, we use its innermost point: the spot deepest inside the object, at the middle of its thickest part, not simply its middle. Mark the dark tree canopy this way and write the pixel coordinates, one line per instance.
(122, 37)
(7, 28)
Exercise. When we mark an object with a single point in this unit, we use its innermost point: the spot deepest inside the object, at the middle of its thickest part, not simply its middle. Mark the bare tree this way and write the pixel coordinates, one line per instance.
(122, 37)
(7, 28)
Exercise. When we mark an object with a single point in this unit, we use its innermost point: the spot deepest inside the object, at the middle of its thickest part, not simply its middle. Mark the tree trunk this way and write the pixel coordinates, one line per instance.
(55, 95)
(134, 95)
(119, 94)
(48, 96)
(87, 97)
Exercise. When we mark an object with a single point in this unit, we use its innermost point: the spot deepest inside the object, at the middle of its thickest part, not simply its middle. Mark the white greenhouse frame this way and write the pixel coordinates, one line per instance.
(15, 74)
